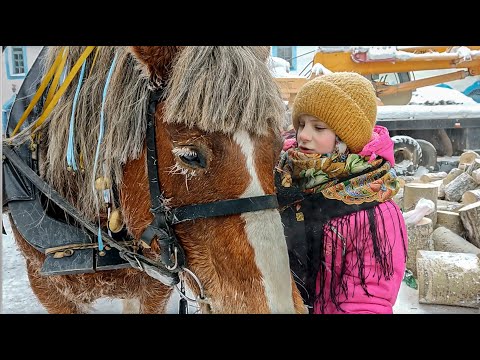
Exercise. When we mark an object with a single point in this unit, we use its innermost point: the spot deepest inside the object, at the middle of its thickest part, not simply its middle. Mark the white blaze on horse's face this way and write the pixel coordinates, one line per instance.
(265, 234)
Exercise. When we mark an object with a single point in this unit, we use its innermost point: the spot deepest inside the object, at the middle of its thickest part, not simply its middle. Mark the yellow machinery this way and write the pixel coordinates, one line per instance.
(376, 63)
(391, 70)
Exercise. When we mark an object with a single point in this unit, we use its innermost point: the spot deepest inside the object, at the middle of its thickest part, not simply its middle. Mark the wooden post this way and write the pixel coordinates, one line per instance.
(446, 240)
(454, 173)
(458, 186)
(415, 191)
(468, 157)
(429, 177)
(448, 278)
(448, 205)
(419, 238)
(441, 188)
(404, 179)
(470, 215)
(471, 196)
(451, 220)
(474, 166)
(476, 176)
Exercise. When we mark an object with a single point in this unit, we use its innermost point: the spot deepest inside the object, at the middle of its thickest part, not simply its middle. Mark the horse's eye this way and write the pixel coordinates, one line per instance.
(191, 157)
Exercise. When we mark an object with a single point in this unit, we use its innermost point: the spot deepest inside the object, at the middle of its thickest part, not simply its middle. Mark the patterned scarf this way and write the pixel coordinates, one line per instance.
(340, 175)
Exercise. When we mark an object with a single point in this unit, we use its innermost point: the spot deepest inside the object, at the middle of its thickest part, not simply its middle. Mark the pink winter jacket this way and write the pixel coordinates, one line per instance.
(380, 145)
(383, 291)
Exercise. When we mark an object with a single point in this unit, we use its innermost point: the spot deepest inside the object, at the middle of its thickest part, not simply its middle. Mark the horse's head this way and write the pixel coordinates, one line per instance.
(217, 138)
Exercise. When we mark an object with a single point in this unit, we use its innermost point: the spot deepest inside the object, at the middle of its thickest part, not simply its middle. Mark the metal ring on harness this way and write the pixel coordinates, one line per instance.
(175, 252)
(201, 298)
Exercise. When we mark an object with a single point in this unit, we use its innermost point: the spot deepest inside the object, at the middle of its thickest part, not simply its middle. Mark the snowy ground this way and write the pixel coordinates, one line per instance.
(18, 298)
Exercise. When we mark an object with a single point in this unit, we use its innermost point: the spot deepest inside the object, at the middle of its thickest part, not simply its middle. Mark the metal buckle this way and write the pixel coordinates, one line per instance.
(164, 278)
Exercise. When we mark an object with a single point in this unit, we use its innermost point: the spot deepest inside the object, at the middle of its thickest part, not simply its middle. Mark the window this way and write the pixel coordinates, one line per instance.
(16, 62)
(288, 53)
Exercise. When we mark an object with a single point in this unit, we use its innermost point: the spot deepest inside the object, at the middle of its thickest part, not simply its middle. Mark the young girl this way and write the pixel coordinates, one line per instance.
(347, 238)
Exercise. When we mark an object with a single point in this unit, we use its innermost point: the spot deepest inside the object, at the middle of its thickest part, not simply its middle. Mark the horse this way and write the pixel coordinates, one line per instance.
(217, 137)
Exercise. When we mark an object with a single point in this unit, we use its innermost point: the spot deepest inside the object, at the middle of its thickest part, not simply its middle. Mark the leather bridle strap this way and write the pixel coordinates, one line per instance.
(153, 181)
(224, 208)
(172, 255)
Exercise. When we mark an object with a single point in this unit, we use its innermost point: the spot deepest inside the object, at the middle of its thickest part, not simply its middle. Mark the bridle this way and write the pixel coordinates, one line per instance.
(172, 255)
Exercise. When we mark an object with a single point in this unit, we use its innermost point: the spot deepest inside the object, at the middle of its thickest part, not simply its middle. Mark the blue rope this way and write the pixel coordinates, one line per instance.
(100, 138)
(71, 146)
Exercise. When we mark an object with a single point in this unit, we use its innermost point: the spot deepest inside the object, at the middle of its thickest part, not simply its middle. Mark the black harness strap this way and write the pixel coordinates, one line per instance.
(224, 208)
(172, 255)
(154, 183)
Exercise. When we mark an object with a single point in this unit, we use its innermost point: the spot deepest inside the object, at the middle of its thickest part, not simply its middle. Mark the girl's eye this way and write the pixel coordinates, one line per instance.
(319, 128)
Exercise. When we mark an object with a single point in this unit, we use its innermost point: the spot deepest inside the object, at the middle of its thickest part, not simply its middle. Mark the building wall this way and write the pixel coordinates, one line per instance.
(10, 82)
(31, 53)
(303, 56)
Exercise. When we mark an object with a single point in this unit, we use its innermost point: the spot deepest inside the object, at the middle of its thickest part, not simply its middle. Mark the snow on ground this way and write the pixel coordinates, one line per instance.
(436, 95)
(412, 112)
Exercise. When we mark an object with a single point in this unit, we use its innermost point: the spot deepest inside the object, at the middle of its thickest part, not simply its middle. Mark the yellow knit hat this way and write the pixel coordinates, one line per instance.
(345, 101)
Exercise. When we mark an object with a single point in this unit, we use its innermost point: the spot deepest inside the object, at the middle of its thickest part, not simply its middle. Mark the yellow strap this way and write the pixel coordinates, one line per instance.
(56, 78)
(94, 59)
(38, 94)
(64, 86)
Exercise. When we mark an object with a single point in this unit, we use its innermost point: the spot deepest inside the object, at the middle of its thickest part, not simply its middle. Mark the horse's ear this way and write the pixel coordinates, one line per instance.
(157, 61)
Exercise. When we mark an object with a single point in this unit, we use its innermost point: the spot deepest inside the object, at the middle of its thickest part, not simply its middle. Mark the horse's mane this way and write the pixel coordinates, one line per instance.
(124, 132)
(214, 88)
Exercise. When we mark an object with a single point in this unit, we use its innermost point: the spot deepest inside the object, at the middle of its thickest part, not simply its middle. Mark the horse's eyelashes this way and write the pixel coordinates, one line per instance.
(191, 157)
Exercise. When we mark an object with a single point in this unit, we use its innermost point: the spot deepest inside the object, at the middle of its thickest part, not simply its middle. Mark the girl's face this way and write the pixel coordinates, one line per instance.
(314, 136)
